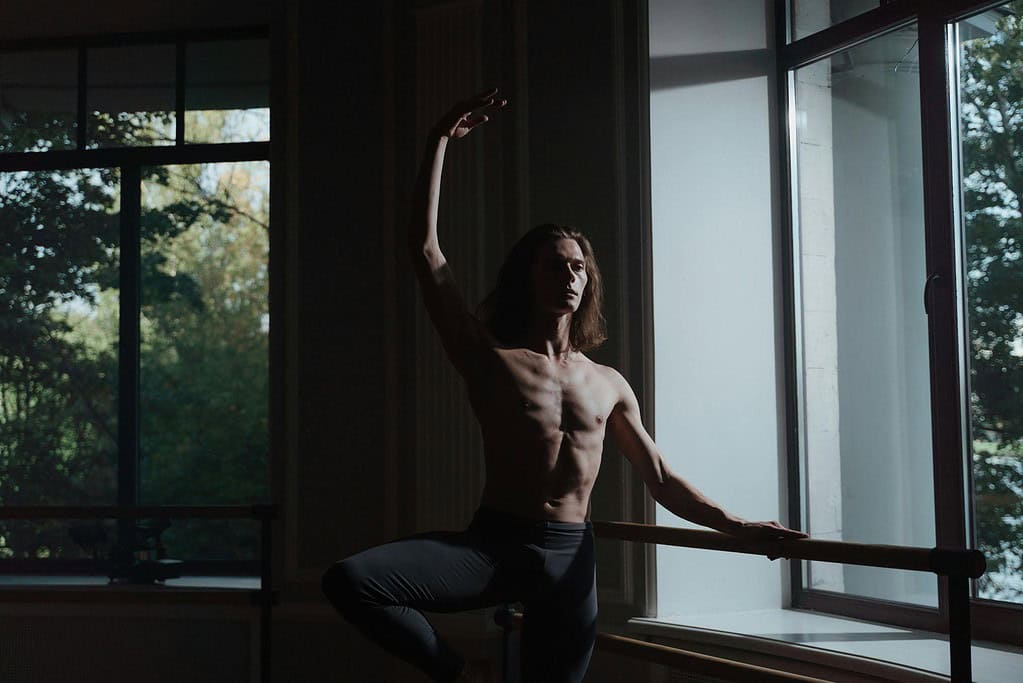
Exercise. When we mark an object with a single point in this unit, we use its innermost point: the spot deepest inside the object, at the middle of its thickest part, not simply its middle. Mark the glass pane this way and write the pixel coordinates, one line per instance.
(212, 539)
(99, 539)
(56, 539)
(204, 330)
(991, 134)
(865, 402)
(130, 96)
(227, 91)
(810, 16)
(38, 100)
(59, 261)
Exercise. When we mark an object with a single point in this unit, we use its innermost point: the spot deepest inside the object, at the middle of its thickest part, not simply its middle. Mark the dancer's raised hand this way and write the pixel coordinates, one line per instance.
(468, 114)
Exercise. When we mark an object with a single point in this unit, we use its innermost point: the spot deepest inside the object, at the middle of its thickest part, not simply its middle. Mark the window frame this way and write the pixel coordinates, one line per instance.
(130, 161)
(990, 620)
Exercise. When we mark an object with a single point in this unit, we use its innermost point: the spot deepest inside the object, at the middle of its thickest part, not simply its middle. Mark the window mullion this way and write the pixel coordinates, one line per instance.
(783, 150)
(83, 84)
(179, 93)
(946, 404)
(128, 392)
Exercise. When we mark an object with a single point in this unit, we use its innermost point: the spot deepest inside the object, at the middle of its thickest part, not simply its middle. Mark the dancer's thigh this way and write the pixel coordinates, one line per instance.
(557, 644)
(559, 625)
(441, 571)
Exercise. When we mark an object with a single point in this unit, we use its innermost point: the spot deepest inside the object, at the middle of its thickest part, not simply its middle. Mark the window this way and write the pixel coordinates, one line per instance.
(130, 96)
(38, 110)
(908, 316)
(810, 16)
(862, 351)
(134, 307)
(989, 52)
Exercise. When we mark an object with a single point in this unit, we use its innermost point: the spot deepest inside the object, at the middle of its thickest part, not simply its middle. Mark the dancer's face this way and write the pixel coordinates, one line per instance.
(559, 277)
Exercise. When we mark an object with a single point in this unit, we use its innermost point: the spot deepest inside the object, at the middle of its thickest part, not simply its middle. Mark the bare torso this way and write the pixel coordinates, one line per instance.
(543, 421)
(543, 415)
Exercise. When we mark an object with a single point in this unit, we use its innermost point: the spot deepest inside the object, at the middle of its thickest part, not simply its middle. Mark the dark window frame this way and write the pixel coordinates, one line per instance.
(131, 160)
(990, 620)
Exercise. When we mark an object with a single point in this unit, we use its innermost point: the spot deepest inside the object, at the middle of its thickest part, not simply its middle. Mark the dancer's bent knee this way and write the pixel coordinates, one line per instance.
(341, 587)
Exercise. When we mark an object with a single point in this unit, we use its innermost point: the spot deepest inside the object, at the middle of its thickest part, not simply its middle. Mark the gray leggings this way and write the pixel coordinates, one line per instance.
(499, 558)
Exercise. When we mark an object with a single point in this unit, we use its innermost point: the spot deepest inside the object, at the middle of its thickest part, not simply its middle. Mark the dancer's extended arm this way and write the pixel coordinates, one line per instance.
(441, 296)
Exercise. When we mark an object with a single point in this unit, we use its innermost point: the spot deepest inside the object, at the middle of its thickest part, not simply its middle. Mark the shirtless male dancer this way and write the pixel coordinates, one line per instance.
(543, 409)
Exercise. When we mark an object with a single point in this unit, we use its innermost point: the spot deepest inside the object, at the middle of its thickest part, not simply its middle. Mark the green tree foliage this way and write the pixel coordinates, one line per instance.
(992, 152)
(58, 417)
(204, 347)
(204, 338)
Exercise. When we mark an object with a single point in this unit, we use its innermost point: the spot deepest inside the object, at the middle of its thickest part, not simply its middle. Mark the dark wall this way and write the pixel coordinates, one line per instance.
(51, 18)
(571, 121)
(340, 280)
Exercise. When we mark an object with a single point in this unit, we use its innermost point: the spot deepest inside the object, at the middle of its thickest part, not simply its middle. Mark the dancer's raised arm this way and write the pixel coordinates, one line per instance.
(447, 309)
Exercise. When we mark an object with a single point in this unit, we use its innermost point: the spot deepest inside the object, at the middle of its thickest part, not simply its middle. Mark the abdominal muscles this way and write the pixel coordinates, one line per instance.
(538, 478)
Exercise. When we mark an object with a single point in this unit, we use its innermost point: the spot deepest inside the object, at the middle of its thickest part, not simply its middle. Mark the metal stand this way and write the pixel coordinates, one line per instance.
(503, 618)
(959, 628)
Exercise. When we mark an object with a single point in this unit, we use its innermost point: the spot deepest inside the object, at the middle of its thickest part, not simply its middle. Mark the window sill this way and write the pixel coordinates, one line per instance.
(56, 588)
(838, 643)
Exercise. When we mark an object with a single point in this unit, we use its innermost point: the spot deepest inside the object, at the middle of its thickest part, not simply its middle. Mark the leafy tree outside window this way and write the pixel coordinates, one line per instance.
(204, 322)
(991, 96)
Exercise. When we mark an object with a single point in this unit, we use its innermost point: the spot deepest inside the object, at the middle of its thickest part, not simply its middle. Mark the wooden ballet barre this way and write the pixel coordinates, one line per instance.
(959, 565)
(943, 561)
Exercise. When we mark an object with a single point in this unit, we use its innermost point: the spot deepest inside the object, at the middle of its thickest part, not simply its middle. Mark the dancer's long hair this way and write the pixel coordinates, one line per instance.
(506, 310)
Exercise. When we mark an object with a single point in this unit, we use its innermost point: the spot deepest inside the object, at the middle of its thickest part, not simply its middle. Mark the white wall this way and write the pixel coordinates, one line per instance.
(717, 381)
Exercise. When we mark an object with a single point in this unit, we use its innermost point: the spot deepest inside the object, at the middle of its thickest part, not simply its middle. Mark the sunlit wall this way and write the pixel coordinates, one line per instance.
(717, 380)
